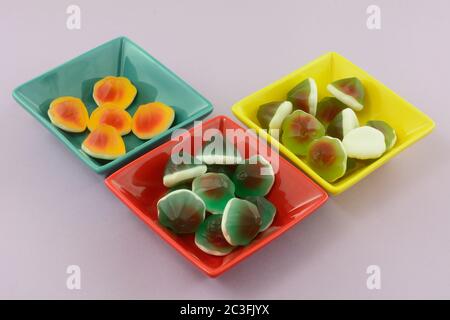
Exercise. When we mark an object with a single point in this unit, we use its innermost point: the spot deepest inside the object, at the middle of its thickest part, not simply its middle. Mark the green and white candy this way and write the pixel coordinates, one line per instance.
(343, 123)
(185, 185)
(327, 157)
(254, 177)
(390, 137)
(272, 114)
(227, 169)
(182, 211)
(364, 143)
(304, 96)
(349, 91)
(354, 165)
(265, 208)
(299, 129)
(209, 237)
(215, 189)
(219, 151)
(327, 109)
(241, 222)
(175, 174)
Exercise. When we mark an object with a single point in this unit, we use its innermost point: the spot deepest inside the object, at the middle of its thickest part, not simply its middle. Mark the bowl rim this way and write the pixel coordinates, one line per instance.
(351, 180)
(211, 271)
(24, 101)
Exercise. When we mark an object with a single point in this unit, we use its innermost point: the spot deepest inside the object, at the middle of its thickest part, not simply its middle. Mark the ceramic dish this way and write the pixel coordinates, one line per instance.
(381, 104)
(119, 57)
(140, 185)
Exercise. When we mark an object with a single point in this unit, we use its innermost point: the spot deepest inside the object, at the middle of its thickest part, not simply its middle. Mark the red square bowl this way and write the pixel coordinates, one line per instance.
(140, 185)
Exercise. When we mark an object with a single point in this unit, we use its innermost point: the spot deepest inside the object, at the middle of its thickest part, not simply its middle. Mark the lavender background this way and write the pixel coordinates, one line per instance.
(55, 212)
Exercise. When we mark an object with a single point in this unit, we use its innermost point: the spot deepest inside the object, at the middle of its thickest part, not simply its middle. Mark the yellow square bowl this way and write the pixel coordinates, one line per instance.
(381, 103)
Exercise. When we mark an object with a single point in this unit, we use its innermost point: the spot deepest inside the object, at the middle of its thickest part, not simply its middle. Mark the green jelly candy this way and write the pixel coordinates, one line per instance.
(254, 177)
(209, 237)
(304, 96)
(343, 123)
(182, 211)
(299, 129)
(354, 165)
(182, 172)
(327, 109)
(272, 114)
(241, 222)
(327, 157)
(225, 169)
(266, 210)
(215, 189)
(181, 186)
(218, 151)
(349, 91)
(390, 137)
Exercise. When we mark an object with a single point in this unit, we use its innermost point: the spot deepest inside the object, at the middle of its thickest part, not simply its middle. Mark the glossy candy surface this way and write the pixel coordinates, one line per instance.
(304, 96)
(390, 136)
(117, 90)
(349, 91)
(254, 177)
(152, 119)
(180, 186)
(219, 151)
(223, 168)
(182, 211)
(209, 237)
(111, 115)
(364, 143)
(272, 114)
(69, 114)
(180, 170)
(241, 222)
(328, 158)
(327, 109)
(104, 143)
(343, 123)
(266, 210)
(215, 189)
(299, 129)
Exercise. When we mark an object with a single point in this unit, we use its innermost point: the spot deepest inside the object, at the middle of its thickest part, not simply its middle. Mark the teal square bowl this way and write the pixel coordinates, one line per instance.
(119, 57)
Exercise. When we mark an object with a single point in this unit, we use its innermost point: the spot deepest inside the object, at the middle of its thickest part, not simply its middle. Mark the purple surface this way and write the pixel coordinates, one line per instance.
(55, 212)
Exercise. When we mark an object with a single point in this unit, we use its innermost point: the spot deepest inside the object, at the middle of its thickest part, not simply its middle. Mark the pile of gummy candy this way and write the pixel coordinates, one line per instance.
(218, 196)
(327, 134)
(110, 120)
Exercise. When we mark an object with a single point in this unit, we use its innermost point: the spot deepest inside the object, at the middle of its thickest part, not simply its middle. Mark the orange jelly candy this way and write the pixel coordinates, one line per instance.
(69, 114)
(111, 115)
(117, 90)
(104, 143)
(152, 119)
